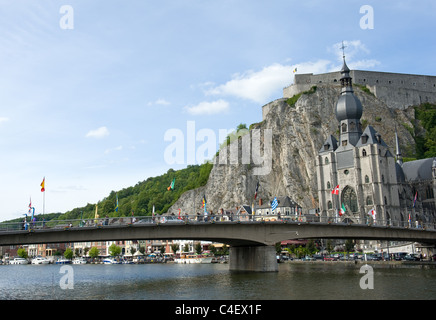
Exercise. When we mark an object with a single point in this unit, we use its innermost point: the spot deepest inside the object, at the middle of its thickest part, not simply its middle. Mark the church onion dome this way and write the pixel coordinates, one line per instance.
(348, 105)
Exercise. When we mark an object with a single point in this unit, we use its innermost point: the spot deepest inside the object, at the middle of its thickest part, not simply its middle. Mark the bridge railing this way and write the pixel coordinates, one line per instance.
(203, 219)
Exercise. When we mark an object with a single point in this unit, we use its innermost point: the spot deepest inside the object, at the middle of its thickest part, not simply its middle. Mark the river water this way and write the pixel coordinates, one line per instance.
(328, 280)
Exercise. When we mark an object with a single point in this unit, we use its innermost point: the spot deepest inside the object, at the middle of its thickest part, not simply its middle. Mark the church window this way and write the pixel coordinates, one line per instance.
(352, 126)
(363, 153)
(344, 143)
(329, 205)
(364, 139)
(383, 179)
(366, 179)
(346, 172)
(386, 200)
(368, 201)
(326, 160)
(344, 127)
(349, 198)
(329, 185)
(326, 147)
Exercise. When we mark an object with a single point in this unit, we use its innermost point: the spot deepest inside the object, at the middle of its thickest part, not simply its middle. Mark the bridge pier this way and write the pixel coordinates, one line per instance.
(253, 258)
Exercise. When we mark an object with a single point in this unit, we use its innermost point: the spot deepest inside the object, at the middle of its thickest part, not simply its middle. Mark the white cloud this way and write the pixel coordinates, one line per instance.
(205, 107)
(4, 119)
(98, 133)
(255, 86)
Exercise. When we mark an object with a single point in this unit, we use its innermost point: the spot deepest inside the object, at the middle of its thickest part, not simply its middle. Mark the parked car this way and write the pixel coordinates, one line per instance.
(329, 258)
(411, 257)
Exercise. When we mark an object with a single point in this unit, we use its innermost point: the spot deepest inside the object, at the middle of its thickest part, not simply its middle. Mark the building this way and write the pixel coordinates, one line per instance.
(372, 186)
(286, 209)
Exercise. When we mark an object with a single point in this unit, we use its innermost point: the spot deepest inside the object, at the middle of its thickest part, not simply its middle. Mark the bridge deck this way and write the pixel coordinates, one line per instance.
(244, 231)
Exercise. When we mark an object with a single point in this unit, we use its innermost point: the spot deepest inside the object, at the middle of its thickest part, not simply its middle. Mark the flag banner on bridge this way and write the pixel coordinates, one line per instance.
(43, 185)
(257, 188)
(342, 211)
(336, 190)
(274, 204)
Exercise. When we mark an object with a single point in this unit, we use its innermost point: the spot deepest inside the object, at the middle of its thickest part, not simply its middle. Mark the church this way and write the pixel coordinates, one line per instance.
(361, 181)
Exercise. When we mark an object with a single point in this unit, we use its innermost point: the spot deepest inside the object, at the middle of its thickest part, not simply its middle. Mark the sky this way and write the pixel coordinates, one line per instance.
(93, 94)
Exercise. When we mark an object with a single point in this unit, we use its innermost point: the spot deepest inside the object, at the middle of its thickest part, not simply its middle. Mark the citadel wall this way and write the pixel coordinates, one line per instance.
(397, 90)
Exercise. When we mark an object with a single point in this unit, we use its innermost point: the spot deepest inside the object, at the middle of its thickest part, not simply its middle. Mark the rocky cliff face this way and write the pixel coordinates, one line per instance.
(298, 132)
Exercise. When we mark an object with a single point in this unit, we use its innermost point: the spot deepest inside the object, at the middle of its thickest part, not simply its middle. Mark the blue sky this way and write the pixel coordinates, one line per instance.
(88, 107)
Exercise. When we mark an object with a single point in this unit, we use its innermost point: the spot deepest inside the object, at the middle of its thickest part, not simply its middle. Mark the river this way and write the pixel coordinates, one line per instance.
(294, 281)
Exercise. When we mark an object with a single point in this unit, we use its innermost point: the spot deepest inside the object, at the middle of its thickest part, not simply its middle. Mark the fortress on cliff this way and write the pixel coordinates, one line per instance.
(397, 90)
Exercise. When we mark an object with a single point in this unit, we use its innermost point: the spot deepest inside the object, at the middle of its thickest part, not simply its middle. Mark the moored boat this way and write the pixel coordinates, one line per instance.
(40, 260)
(63, 261)
(80, 260)
(111, 261)
(192, 258)
(18, 261)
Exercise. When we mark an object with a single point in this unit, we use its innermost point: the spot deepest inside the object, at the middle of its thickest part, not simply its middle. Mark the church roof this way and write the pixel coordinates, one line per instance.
(370, 136)
(331, 144)
(418, 170)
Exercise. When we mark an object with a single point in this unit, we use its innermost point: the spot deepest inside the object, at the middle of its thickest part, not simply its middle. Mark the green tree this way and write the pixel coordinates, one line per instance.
(114, 250)
(22, 253)
(94, 253)
(68, 254)
(198, 248)
(175, 247)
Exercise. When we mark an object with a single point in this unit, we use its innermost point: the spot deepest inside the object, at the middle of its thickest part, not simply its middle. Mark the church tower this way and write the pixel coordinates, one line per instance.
(360, 163)
(348, 111)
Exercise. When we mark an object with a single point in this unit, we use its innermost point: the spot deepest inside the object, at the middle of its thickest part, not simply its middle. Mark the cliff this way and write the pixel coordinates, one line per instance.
(298, 132)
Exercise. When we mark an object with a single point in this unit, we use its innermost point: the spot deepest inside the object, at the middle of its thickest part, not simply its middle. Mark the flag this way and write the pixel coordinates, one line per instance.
(152, 213)
(116, 208)
(96, 216)
(372, 213)
(171, 187)
(414, 200)
(43, 185)
(204, 201)
(257, 188)
(30, 204)
(294, 71)
(342, 211)
(274, 204)
(336, 190)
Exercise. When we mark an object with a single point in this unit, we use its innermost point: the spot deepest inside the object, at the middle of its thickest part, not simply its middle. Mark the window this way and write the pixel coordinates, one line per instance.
(368, 201)
(363, 153)
(329, 185)
(366, 179)
(349, 198)
(344, 143)
(364, 138)
(329, 205)
(344, 127)
(326, 160)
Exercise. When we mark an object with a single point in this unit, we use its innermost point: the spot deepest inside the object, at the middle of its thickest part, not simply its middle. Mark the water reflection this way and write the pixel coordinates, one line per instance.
(213, 282)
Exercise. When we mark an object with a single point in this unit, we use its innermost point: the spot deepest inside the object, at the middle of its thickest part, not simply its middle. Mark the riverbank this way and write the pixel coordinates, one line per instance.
(393, 263)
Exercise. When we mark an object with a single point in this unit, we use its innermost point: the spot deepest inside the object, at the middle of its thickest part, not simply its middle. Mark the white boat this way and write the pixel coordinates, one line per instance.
(40, 260)
(111, 261)
(80, 260)
(63, 261)
(188, 259)
(18, 261)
